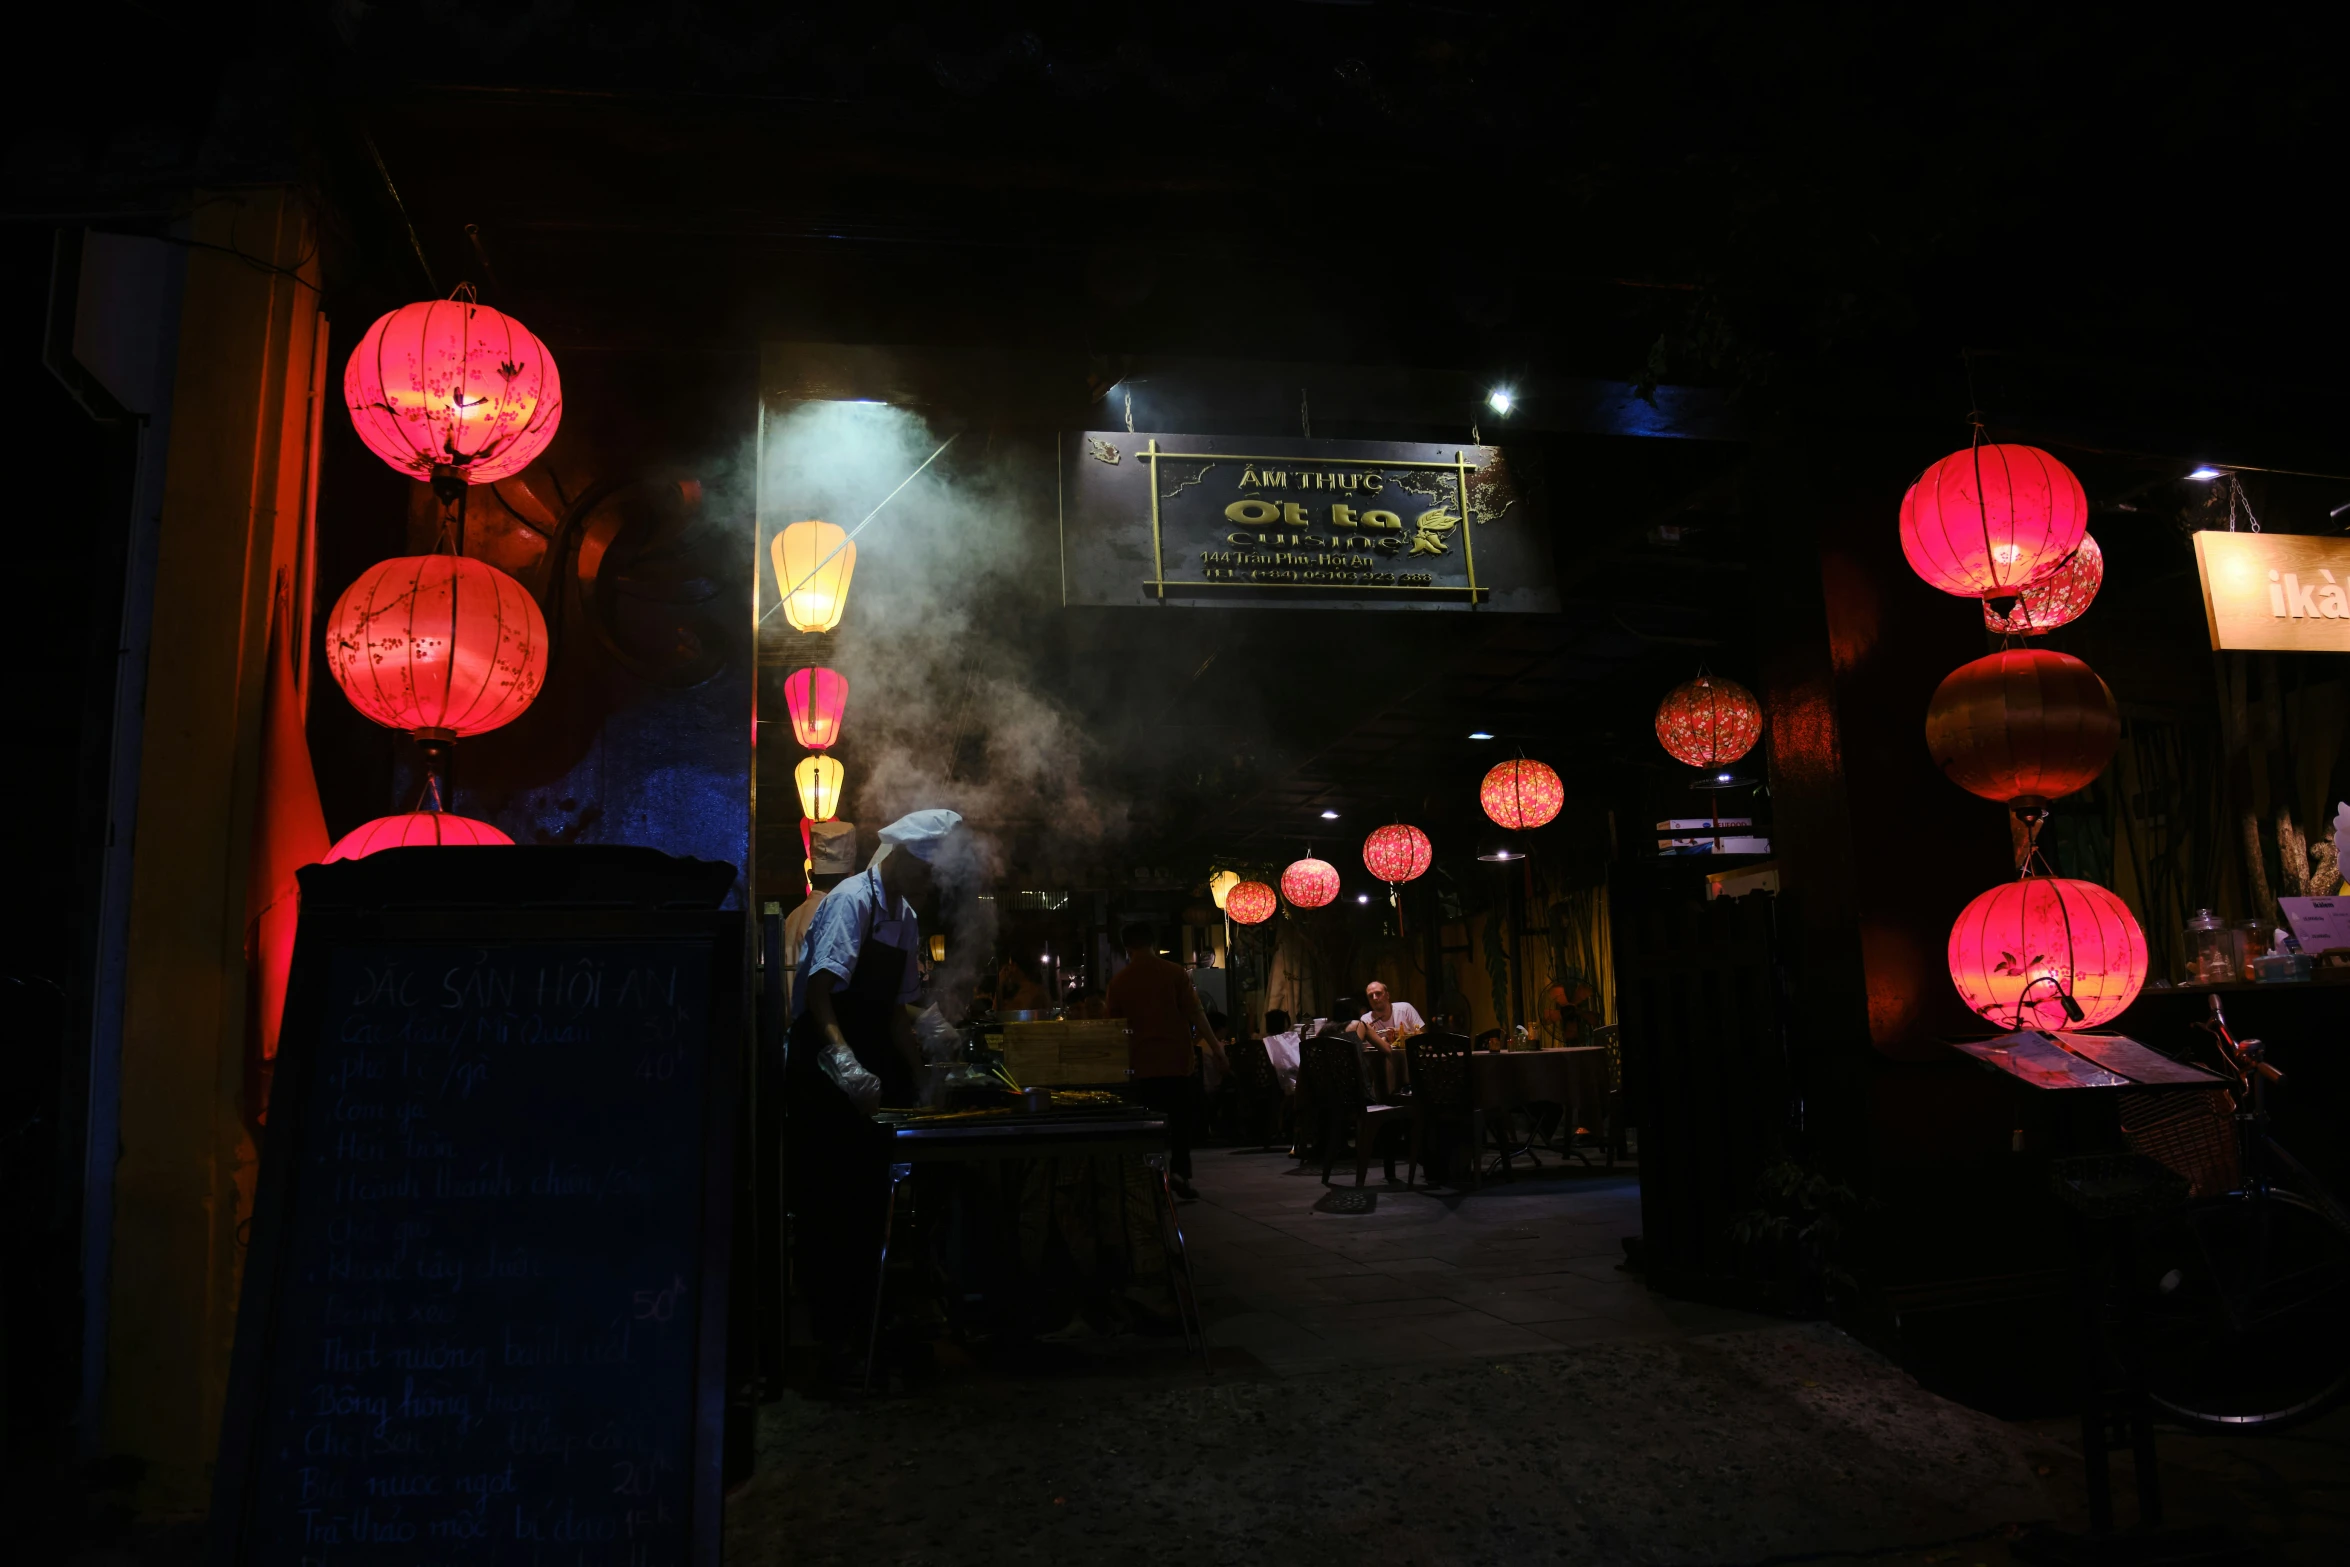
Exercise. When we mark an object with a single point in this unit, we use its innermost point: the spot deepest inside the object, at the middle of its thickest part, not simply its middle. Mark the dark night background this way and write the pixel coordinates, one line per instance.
(2113, 230)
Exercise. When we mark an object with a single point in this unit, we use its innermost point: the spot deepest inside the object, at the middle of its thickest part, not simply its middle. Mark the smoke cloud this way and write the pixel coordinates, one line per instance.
(955, 579)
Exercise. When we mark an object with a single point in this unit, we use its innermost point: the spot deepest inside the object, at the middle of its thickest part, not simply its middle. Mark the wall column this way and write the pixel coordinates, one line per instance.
(233, 517)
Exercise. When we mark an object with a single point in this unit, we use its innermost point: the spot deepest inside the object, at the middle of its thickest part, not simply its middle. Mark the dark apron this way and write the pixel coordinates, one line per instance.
(837, 1157)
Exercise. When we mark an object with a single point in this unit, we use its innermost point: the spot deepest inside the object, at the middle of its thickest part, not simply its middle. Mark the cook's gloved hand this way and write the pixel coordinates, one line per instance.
(850, 1077)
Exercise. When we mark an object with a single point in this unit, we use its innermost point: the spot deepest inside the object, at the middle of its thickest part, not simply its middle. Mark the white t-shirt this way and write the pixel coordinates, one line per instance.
(1402, 1017)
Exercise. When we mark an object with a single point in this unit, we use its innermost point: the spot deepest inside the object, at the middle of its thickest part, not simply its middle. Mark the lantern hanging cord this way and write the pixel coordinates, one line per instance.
(785, 597)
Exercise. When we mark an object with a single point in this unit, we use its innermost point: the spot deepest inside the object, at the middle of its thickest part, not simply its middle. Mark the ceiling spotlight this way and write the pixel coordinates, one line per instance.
(1480, 734)
(1329, 816)
(2206, 473)
(1501, 399)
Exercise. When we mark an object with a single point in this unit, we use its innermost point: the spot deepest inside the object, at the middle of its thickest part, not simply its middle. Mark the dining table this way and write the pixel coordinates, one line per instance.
(1574, 1076)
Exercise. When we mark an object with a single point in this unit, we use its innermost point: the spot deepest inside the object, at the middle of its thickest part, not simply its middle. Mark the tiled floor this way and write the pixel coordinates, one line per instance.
(1427, 1275)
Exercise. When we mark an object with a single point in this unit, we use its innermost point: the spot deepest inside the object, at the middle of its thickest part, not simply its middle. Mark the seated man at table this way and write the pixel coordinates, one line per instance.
(1281, 1048)
(1386, 1023)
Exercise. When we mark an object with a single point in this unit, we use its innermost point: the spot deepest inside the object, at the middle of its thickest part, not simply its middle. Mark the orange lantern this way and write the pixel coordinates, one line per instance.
(2023, 727)
(439, 645)
(815, 698)
(820, 779)
(1708, 722)
(2047, 952)
(450, 390)
(1991, 520)
(414, 829)
(1397, 853)
(1309, 883)
(2057, 599)
(1520, 794)
(1250, 903)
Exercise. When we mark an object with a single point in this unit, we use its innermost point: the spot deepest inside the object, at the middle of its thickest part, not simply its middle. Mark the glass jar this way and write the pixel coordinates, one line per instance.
(2208, 959)
(2247, 942)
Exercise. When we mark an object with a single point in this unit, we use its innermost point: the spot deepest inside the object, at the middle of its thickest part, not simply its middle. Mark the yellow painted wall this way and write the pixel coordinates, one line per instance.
(232, 517)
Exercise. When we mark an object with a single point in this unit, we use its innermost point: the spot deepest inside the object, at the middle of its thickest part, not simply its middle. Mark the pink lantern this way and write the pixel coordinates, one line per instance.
(1708, 722)
(1991, 520)
(1251, 903)
(1397, 853)
(414, 829)
(815, 697)
(2020, 949)
(442, 646)
(1309, 883)
(448, 389)
(2056, 599)
(1520, 794)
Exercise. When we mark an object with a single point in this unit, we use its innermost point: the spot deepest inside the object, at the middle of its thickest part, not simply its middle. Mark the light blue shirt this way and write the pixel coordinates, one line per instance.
(852, 914)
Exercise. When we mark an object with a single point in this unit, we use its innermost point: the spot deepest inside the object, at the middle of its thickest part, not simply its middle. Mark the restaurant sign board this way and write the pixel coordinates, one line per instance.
(1156, 519)
(2286, 592)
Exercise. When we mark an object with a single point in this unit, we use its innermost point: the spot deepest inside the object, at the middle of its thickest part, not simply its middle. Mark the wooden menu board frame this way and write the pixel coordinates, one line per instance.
(584, 902)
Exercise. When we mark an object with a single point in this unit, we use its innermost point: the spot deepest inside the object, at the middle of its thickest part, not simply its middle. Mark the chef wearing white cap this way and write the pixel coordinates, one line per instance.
(853, 1051)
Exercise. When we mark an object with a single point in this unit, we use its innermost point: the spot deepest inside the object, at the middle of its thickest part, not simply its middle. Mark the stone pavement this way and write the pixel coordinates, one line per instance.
(1447, 1378)
(1288, 1286)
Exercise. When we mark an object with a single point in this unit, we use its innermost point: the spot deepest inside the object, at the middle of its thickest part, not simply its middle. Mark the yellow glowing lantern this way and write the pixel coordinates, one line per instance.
(819, 778)
(938, 949)
(1221, 884)
(813, 561)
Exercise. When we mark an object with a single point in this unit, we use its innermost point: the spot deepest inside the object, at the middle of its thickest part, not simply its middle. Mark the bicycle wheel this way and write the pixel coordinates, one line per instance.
(2247, 1302)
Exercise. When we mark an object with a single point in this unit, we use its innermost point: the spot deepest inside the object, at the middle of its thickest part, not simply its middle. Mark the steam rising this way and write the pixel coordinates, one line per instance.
(954, 580)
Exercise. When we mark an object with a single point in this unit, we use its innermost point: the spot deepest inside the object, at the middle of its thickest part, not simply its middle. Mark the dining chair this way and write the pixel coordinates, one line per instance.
(1259, 1087)
(1331, 1070)
(1444, 1087)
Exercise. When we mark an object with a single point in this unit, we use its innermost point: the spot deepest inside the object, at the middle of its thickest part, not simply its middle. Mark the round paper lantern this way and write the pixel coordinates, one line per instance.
(2056, 599)
(813, 562)
(1310, 883)
(1709, 721)
(815, 698)
(2023, 726)
(413, 828)
(1250, 903)
(820, 779)
(2021, 948)
(1520, 794)
(1990, 520)
(1220, 887)
(439, 645)
(1397, 853)
(451, 389)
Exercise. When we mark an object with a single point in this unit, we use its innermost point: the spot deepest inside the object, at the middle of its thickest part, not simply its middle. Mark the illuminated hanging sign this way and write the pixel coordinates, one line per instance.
(1241, 520)
(2286, 592)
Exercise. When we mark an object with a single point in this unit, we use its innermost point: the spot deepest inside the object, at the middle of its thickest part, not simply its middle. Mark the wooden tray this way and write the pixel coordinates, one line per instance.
(1089, 1050)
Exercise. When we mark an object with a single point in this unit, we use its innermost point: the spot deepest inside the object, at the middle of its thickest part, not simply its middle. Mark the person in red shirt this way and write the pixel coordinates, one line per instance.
(1166, 1028)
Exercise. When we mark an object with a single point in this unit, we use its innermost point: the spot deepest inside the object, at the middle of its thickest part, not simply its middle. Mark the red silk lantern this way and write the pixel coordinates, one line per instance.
(1397, 854)
(2020, 948)
(449, 388)
(439, 645)
(1251, 903)
(1708, 722)
(2056, 599)
(2023, 726)
(413, 828)
(815, 697)
(1519, 794)
(1309, 883)
(1991, 520)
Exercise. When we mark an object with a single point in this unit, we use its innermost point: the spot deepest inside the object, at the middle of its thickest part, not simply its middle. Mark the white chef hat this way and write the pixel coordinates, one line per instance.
(922, 833)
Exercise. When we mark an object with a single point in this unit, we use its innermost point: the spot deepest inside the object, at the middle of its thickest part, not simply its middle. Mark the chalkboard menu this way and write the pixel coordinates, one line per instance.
(483, 1317)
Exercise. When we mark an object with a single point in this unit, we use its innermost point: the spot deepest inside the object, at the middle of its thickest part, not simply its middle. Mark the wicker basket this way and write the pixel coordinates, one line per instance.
(2190, 1131)
(1089, 1050)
